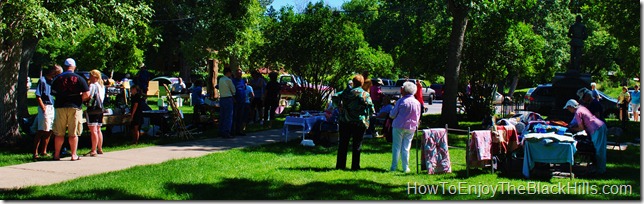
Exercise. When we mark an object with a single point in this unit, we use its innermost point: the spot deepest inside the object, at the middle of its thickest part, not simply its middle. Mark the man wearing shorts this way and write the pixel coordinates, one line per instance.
(70, 90)
(45, 111)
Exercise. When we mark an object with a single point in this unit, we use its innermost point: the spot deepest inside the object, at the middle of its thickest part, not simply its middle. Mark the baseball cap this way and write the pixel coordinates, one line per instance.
(572, 103)
(69, 62)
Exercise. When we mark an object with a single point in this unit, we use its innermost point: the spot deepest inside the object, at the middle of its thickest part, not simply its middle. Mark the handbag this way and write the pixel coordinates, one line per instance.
(95, 106)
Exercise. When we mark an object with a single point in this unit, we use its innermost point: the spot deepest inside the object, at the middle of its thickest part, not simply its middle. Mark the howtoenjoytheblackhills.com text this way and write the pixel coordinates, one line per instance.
(528, 188)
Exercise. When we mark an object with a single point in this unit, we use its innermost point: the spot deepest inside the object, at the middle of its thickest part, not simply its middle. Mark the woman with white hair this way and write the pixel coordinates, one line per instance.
(594, 127)
(595, 93)
(406, 114)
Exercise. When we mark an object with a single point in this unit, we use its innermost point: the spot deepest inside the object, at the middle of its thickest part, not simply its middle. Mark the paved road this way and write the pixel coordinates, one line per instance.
(51, 172)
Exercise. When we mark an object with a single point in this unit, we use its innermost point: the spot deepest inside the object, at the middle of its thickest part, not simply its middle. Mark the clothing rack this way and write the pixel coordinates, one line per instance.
(447, 130)
(467, 145)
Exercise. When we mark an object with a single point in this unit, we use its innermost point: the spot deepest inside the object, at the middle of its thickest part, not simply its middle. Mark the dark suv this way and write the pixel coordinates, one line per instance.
(542, 101)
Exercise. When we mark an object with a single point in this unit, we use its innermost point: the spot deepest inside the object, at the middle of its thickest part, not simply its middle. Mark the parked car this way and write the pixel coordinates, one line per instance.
(526, 98)
(428, 93)
(542, 100)
(385, 82)
(498, 98)
(166, 80)
(439, 90)
(293, 85)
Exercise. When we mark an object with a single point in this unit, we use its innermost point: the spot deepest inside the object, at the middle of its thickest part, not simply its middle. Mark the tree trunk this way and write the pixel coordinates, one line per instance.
(28, 50)
(457, 37)
(513, 86)
(10, 51)
(184, 69)
(213, 71)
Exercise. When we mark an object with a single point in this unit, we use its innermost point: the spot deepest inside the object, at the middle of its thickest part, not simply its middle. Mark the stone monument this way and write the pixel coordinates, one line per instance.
(577, 34)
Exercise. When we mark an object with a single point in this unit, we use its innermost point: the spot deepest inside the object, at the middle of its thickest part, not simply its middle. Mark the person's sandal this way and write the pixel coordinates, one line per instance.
(77, 158)
(99, 151)
(90, 154)
(35, 157)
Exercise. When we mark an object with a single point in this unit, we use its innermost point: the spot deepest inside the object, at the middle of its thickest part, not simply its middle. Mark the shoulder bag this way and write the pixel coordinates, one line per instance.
(95, 106)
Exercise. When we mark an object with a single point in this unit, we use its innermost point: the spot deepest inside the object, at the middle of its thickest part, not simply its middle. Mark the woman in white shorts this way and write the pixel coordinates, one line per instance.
(95, 121)
(635, 103)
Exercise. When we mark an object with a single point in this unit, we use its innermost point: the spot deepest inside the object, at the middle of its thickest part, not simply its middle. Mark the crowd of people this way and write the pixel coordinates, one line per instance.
(244, 101)
(356, 110)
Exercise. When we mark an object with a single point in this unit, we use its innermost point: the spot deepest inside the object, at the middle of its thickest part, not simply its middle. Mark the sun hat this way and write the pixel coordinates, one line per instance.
(572, 103)
(69, 62)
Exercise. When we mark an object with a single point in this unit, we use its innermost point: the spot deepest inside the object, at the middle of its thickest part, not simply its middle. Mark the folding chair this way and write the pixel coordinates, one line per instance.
(153, 89)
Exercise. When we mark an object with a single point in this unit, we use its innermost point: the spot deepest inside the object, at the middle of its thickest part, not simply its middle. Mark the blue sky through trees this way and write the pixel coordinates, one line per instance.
(277, 4)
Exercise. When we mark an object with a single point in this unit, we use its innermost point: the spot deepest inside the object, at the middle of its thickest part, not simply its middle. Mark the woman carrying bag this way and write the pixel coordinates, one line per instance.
(95, 112)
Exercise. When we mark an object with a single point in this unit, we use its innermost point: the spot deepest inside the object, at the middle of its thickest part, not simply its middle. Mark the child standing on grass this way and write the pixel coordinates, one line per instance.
(139, 104)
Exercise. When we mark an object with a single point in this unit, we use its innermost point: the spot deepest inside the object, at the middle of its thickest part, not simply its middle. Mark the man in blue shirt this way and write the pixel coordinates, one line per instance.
(45, 110)
(240, 101)
(143, 78)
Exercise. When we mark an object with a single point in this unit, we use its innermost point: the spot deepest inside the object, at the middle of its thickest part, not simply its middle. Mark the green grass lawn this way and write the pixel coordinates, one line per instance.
(289, 171)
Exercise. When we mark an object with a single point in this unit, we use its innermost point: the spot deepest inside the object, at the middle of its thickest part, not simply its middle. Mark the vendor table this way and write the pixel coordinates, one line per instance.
(161, 118)
(305, 122)
(547, 148)
(109, 121)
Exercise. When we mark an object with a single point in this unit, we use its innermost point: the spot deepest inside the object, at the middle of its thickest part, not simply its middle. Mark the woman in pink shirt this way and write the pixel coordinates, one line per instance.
(594, 127)
(406, 114)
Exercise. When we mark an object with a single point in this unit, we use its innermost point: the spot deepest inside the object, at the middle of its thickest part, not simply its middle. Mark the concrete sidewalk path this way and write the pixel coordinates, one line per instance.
(51, 172)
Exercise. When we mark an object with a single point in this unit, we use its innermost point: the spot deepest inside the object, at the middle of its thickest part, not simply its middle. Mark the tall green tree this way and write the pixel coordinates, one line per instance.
(29, 21)
(621, 19)
(323, 47)
(459, 10)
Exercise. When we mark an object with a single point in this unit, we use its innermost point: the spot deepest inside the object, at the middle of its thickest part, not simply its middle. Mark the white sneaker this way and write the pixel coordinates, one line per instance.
(407, 170)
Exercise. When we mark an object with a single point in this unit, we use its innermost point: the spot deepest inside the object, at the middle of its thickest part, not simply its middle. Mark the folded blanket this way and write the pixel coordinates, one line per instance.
(550, 135)
(481, 144)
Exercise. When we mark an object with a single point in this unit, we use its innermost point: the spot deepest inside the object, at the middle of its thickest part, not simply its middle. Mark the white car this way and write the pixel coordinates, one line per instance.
(498, 98)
